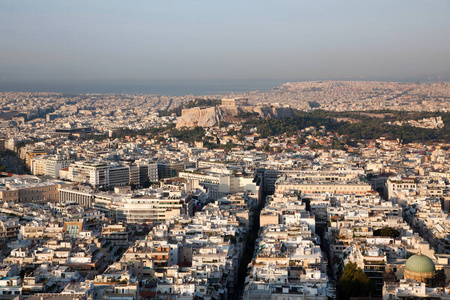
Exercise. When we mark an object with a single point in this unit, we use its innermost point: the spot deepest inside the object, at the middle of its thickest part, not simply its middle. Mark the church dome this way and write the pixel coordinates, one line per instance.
(420, 263)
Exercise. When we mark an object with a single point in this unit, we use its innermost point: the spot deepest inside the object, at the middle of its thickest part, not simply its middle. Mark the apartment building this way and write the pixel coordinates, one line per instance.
(48, 165)
(356, 187)
(154, 207)
(396, 185)
(167, 169)
(117, 234)
(32, 153)
(103, 174)
(219, 184)
(119, 175)
(94, 173)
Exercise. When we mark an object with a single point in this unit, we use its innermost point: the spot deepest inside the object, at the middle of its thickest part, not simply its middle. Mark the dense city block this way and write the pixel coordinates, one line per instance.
(312, 190)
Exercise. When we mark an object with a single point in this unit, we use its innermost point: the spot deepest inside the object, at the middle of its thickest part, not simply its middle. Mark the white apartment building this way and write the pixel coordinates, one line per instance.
(398, 185)
(103, 174)
(220, 184)
(440, 175)
(270, 176)
(95, 174)
(313, 187)
(134, 177)
(153, 172)
(49, 165)
(10, 287)
(153, 207)
(107, 204)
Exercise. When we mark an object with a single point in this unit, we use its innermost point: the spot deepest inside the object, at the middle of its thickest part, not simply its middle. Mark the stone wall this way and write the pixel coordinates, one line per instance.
(211, 116)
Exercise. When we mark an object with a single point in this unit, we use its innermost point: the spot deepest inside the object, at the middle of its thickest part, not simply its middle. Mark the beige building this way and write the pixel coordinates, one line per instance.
(38, 166)
(79, 194)
(268, 218)
(234, 101)
(48, 165)
(46, 191)
(30, 154)
(354, 187)
(220, 184)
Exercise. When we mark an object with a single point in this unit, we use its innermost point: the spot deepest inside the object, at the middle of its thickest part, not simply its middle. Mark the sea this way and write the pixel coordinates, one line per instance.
(176, 87)
(169, 87)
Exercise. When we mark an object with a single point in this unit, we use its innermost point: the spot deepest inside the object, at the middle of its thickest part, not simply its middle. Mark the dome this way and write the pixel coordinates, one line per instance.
(420, 263)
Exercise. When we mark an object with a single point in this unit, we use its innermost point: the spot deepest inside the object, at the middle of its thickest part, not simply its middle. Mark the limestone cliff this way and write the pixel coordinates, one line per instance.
(211, 116)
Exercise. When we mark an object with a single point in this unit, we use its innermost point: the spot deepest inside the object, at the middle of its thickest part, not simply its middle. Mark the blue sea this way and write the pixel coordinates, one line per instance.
(176, 87)
(161, 87)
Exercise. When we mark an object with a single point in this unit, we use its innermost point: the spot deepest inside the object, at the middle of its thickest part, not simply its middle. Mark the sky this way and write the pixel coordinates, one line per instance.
(96, 40)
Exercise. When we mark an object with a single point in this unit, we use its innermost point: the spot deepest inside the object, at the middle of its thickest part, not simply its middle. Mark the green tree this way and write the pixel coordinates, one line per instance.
(354, 283)
(146, 183)
(188, 135)
(314, 104)
(300, 141)
(315, 146)
(231, 131)
(386, 231)
(229, 145)
(160, 139)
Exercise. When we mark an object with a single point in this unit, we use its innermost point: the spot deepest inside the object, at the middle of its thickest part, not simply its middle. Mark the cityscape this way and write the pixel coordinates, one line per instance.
(156, 197)
(224, 150)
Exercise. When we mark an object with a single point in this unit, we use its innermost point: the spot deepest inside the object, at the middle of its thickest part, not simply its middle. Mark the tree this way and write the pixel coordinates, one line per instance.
(300, 141)
(316, 146)
(188, 135)
(231, 131)
(146, 184)
(386, 231)
(354, 283)
(160, 139)
(314, 104)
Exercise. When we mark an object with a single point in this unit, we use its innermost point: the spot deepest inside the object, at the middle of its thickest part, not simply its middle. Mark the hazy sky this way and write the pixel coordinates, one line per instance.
(160, 39)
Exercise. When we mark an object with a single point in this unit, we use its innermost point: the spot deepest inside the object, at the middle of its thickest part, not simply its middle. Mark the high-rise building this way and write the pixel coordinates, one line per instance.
(168, 169)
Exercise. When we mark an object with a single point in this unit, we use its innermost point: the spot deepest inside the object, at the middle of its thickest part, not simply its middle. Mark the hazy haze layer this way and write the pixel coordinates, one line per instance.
(74, 41)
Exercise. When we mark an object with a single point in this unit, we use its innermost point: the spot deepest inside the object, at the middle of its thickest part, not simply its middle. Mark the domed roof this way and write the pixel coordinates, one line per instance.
(420, 263)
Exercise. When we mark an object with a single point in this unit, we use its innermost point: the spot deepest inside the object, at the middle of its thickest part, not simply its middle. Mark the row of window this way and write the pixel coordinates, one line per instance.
(37, 198)
(405, 186)
(10, 194)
